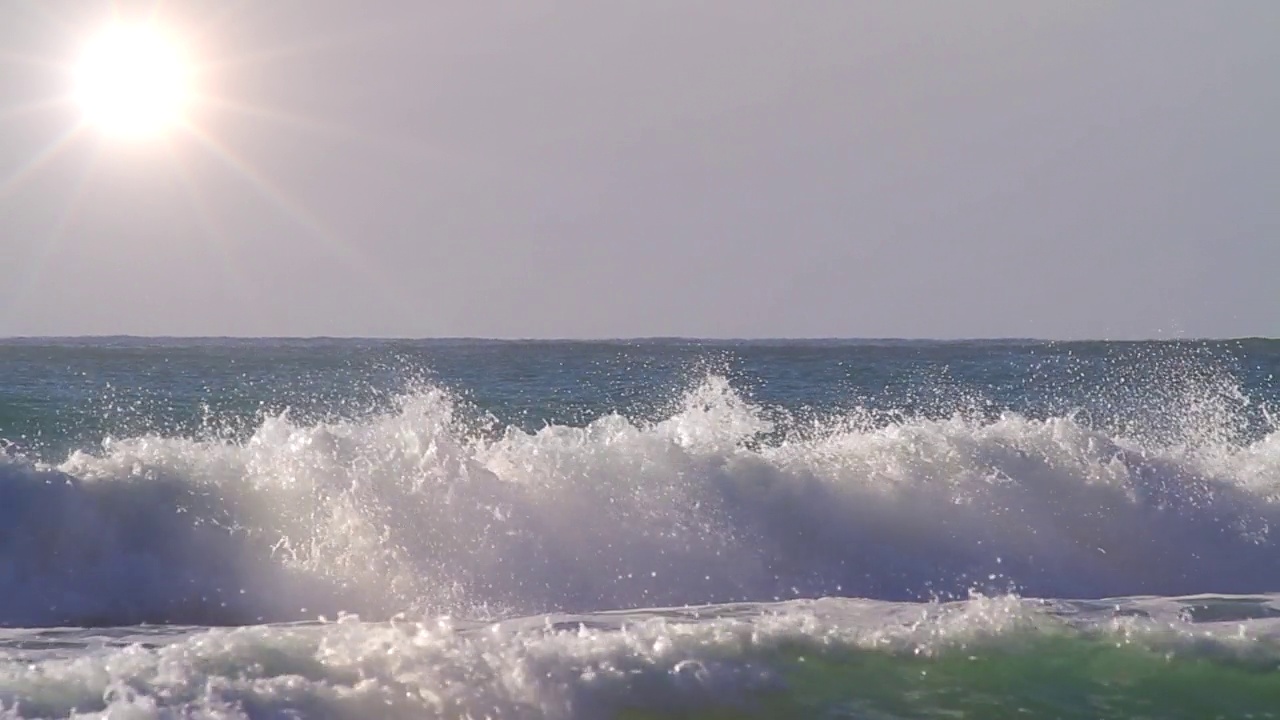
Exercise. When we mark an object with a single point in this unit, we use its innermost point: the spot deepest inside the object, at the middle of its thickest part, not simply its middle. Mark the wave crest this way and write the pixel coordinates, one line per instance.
(415, 511)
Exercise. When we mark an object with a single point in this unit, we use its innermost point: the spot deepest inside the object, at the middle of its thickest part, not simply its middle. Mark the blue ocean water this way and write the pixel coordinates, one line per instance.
(639, 529)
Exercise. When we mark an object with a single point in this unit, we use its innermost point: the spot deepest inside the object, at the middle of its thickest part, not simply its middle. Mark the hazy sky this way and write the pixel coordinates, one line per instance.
(699, 168)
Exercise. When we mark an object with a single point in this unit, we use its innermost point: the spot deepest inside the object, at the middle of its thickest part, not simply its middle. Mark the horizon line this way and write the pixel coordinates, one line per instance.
(649, 338)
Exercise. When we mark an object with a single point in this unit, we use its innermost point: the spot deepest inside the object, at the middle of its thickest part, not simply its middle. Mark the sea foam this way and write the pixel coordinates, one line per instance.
(417, 511)
(831, 657)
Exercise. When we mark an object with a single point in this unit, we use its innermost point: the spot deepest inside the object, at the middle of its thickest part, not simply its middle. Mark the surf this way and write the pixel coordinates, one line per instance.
(986, 656)
(426, 510)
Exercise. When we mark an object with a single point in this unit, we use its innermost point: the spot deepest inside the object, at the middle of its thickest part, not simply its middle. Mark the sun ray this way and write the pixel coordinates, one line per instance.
(263, 186)
(301, 217)
(105, 95)
(216, 18)
(33, 268)
(295, 121)
(303, 47)
(42, 10)
(397, 145)
(35, 106)
(11, 58)
(213, 234)
(40, 159)
(226, 11)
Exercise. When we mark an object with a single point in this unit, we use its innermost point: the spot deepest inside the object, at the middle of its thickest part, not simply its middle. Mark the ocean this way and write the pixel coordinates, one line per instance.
(226, 528)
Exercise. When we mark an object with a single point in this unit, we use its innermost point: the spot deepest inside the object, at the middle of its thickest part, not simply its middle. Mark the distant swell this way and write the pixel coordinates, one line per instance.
(413, 511)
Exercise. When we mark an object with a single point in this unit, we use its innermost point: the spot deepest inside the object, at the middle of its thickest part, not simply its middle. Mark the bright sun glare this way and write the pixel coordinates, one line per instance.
(133, 81)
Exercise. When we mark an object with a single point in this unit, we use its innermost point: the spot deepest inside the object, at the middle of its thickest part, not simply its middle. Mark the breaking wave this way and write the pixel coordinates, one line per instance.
(985, 657)
(417, 510)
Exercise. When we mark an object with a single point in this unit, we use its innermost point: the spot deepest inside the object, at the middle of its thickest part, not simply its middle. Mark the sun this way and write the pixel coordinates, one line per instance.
(133, 81)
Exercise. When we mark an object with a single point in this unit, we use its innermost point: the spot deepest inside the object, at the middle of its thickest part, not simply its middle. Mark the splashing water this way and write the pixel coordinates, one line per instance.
(415, 510)
(636, 531)
(986, 657)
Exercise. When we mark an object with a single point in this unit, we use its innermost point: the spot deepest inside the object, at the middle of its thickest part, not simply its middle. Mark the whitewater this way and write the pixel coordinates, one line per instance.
(507, 530)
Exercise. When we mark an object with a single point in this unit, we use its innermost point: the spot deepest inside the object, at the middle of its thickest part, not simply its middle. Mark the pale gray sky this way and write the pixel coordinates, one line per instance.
(581, 168)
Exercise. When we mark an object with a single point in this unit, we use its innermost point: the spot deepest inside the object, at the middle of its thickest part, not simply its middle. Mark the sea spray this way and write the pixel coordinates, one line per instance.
(638, 530)
(413, 510)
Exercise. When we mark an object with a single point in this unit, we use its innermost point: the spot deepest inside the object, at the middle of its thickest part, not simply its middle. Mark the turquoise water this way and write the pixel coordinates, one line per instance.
(348, 528)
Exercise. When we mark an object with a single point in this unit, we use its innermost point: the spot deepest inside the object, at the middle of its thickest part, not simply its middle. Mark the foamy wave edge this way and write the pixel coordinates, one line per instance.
(771, 660)
(412, 511)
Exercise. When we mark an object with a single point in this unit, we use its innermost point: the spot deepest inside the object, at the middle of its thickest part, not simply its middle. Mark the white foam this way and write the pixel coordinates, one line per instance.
(674, 662)
(413, 511)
